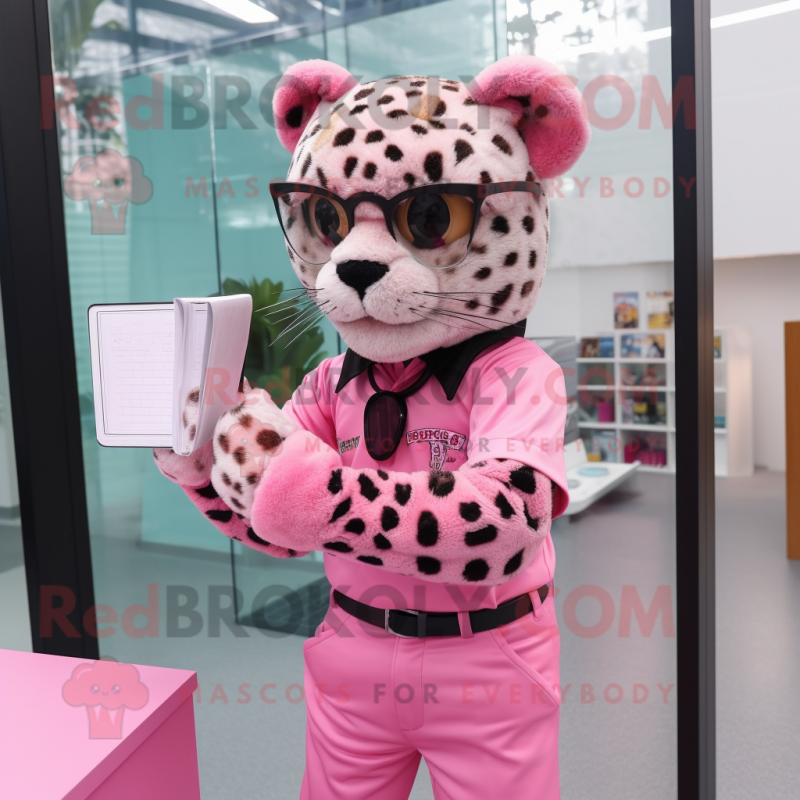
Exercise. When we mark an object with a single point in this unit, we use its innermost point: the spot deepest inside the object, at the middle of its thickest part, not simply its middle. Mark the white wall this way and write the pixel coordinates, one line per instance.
(755, 73)
(761, 294)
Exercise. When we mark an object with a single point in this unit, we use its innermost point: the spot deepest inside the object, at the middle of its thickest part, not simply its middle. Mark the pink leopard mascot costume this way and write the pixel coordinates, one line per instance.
(415, 222)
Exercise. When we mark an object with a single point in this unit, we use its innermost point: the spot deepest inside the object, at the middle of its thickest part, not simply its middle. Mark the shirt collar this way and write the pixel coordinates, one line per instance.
(449, 364)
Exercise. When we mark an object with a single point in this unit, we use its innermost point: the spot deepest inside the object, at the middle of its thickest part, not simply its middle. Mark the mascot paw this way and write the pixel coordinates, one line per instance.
(245, 440)
(193, 470)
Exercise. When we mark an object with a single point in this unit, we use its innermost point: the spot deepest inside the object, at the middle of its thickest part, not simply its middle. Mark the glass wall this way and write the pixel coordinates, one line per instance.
(15, 630)
(139, 94)
(609, 288)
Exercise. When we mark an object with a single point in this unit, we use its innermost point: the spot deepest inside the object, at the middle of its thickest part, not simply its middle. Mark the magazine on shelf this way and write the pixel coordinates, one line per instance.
(147, 358)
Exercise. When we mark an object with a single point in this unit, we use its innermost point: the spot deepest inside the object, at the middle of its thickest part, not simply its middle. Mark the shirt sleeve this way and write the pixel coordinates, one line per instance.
(519, 412)
(311, 405)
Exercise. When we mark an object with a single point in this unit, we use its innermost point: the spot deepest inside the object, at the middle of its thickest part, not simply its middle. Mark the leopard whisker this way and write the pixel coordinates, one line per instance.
(425, 316)
(455, 315)
(305, 316)
(307, 328)
(464, 315)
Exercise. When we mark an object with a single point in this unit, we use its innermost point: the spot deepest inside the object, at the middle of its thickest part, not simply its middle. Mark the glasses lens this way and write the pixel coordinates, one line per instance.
(383, 425)
(435, 227)
(313, 224)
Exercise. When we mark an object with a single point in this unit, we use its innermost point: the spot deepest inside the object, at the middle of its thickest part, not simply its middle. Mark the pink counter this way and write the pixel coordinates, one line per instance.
(78, 729)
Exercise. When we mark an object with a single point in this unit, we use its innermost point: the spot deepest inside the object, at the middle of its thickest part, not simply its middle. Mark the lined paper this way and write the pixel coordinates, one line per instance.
(137, 363)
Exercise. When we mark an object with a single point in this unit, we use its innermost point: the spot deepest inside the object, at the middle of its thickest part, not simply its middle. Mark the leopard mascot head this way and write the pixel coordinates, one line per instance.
(413, 206)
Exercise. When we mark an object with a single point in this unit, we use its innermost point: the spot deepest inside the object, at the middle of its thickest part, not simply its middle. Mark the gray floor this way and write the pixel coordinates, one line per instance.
(608, 750)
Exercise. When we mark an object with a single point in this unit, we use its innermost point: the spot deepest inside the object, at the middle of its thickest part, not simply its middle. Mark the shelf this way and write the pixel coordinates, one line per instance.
(720, 431)
(662, 470)
(720, 390)
(625, 387)
(624, 360)
(627, 426)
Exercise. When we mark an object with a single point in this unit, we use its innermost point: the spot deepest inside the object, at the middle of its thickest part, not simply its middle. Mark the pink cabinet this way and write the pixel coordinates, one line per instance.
(78, 729)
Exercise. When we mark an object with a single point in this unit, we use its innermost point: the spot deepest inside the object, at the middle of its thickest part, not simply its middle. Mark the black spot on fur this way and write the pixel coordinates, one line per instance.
(500, 224)
(465, 126)
(513, 563)
(355, 525)
(350, 165)
(480, 249)
(193, 397)
(344, 137)
(527, 223)
(469, 511)
(470, 102)
(483, 273)
(397, 113)
(369, 170)
(402, 493)
(360, 95)
(427, 529)
(532, 259)
(341, 510)
(449, 88)
(254, 537)
(239, 456)
(409, 179)
(533, 522)
(219, 515)
(501, 144)
(339, 547)
(530, 177)
(433, 166)
(463, 150)
(441, 483)
(523, 100)
(414, 93)
(246, 420)
(235, 502)
(440, 109)
(476, 570)
(393, 152)
(428, 566)
(209, 492)
(374, 560)
(510, 260)
(421, 130)
(268, 439)
(322, 178)
(294, 116)
(526, 289)
(237, 487)
(389, 518)
(374, 136)
(523, 479)
(417, 83)
(506, 509)
(225, 479)
(478, 464)
(485, 177)
(251, 479)
(335, 483)
(306, 166)
(481, 536)
(381, 542)
(384, 476)
(541, 111)
(355, 110)
(501, 297)
(368, 488)
(436, 124)
(472, 304)
(385, 100)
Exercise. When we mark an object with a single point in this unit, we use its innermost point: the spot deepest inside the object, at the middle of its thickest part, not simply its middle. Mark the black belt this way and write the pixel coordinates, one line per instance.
(410, 624)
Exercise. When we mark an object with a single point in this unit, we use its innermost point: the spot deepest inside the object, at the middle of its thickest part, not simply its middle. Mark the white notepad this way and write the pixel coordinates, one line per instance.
(147, 358)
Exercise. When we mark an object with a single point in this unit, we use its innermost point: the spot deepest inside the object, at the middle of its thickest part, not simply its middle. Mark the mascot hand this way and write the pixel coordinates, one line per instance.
(246, 440)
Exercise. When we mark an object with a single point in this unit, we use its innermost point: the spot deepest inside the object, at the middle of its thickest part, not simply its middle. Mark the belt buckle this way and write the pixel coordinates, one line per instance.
(388, 628)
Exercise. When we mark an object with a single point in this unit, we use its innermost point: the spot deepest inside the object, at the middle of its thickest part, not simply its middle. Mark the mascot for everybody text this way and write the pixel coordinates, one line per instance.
(426, 463)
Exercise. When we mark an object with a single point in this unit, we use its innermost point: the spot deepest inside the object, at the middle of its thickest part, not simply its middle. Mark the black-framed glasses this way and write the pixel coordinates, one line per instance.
(434, 223)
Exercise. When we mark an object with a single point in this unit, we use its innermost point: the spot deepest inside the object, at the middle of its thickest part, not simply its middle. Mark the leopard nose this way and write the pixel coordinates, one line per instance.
(360, 275)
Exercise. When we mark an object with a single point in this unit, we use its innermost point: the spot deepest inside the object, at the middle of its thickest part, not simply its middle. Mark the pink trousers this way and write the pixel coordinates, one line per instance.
(483, 711)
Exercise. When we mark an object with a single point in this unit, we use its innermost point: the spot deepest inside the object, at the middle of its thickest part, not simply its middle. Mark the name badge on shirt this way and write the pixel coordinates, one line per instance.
(440, 440)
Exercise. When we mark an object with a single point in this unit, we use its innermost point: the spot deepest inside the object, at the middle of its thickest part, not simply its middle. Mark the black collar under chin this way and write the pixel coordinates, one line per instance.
(449, 364)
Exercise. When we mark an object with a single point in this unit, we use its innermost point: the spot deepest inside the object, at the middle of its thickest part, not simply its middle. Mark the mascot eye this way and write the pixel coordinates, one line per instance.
(326, 219)
(432, 220)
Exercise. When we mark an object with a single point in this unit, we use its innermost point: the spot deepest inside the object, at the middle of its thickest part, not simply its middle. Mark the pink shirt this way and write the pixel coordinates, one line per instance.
(510, 404)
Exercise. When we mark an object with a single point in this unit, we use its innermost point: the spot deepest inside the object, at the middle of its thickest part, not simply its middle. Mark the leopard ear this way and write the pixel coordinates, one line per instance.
(552, 114)
(300, 90)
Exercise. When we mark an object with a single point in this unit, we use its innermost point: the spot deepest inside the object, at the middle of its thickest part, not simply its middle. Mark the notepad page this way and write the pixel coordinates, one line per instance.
(137, 365)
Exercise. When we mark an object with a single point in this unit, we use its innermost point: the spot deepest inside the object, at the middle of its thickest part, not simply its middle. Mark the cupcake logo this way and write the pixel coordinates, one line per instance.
(108, 182)
(106, 689)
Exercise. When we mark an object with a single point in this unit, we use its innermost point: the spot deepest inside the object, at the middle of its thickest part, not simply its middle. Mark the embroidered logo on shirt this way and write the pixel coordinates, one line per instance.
(348, 444)
(440, 440)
